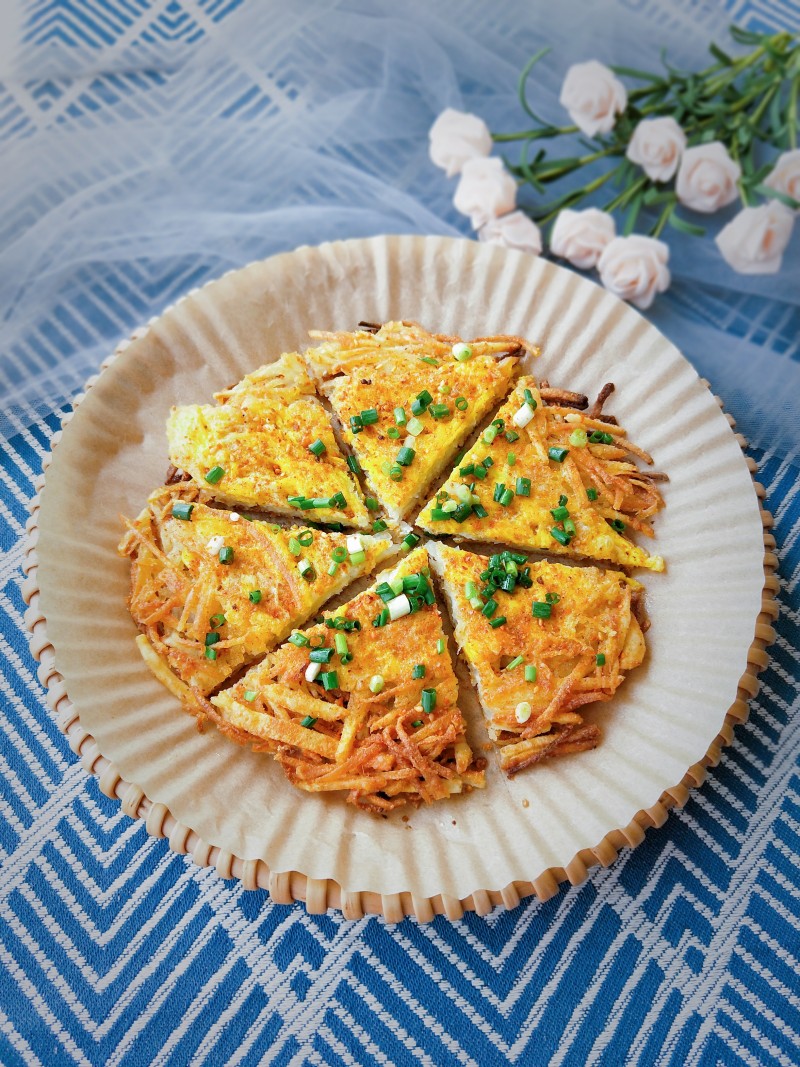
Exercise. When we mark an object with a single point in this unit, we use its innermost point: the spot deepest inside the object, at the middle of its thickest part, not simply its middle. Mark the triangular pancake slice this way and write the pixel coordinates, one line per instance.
(562, 638)
(545, 477)
(268, 445)
(211, 591)
(379, 719)
(407, 400)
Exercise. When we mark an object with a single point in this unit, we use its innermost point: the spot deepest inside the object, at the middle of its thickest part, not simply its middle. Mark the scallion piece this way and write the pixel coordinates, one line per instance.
(465, 471)
(523, 487)
(321, 655)
(428, 698)
(294, 546)
(462, 512)
(479, 472)
(400, 416)
(372, 503)
(340, 643)
(506, 497)
(530, 673)
(563, 501)
(317, 447)
(255, 596)
(578, 438)
(540, 609)
(470, 590)
(440, 515)
(385, 592)
(182, 510)
(419, 671)
(215, 475)
(440, 646)
(511, 459)
(552, 598)
(599, 437)
(425, 397)
(396, 472)
(522, 712)
(439, 411)
(339, 554)
(501, 620)
(429, 361)
(499, 489)
(511, 436)
(560, 536)
(417, 722)
(381, 618)
(333, 567)
(489, 608)
(591, 494)
(250, 694)
(559, 514)
(417, 407)
(356, 424)
(212, 638)
(489, 434)
(353, 464)
(216, 621)
(369, 416)
(461, 351)
(211, 652)
(462, 403)
(516, 661)
(405, 456)
(617, 524)
(306, 569)
(358, 558)
(600, 659)
(529, 398)
(308, 721)
(415, 427)
(410, 540)
(379, 526)
(569, 527)
(329, 679)
(393, 433)
(226, 554)
(376, 684)
(558, 455)
(488, 462)
(479, 511)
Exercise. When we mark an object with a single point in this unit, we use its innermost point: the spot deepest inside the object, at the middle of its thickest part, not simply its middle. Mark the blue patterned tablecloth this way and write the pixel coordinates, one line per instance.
(148, 145)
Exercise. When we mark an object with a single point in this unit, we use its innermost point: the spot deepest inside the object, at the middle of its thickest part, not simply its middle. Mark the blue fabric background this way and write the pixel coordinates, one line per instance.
(148, 145)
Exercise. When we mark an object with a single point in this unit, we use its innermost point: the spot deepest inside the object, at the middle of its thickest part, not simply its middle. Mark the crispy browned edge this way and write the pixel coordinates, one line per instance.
(319, 894)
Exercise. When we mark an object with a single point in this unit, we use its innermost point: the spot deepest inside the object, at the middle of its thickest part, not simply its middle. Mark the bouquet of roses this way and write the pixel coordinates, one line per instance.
(679, 141)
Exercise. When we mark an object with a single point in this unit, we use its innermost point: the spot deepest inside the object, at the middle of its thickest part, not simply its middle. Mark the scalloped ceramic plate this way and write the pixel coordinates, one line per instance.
(232, 807)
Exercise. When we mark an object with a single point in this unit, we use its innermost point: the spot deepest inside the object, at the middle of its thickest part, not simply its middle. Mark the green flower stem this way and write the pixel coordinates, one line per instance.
(626, 194)
(530, 135)
(581, 161)
(791, 115)
(575, 197)
(663, 218)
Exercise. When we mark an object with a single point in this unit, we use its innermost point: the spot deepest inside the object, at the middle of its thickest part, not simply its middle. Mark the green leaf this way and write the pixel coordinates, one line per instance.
(743, 36)
(717, 53)
(633, 214)
(685, 227)
(776, 194)
(632, 72)
(656, 196)
(523, 79)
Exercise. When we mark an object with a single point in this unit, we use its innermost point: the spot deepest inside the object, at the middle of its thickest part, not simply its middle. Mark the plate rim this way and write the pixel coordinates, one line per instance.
(322, 894)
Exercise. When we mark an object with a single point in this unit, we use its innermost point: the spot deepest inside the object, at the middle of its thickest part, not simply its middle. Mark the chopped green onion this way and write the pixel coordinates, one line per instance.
(511, 459)
(559, 514)
(440, 515)
(523, 487)
(410, 540)
(599, 437)
(182, 510)
(600, 659)
(509, 583)
(552, 598)
(417, 722)
(511, 436)
(396, 472)
(470, 590)
(516, 661)
(463, 493)
(329, 680)
(305, 568)
(499, 489)
(444, 388)
(226, 554)
(212, 638)
(428, 698)
(378, 526)
(215, 475)
(400, 416)
(372, 503)
(415, 427)
(295, 501)
(308, 721)
(439, 411)
(479, 511)
(333, 567)
(558, 454)
(530, 673)
(321, 655)
(211, 652)
(358, 557)
(340, 643)
(440, 645)
(617, 524)
(216, 620)
(317, 447)
(462, 512)
(418, 407)
(429, 361)
(294, 546)
(480, 472)
(449, 506)
(339, 554)
(353, 464)
(569, 527)
(356, 424)
(393, 433)
(476, 603)
(465, 471)
(529, 398)
(461, 351)
(506, 497)
(541, 609)
(425, 397)
(522, 712)
(563, 501)
(489, 434)
(405, 456)
(500, 424)
(560, 536)
(488, 462)
(381, 618)
(578, 438)
(501, 620)
(462, 403)
(306, 538)
(591, 494)
(369, 416)
(255, 596)
(419, 671)
(376, 684)
(250, 694)
(489, 608)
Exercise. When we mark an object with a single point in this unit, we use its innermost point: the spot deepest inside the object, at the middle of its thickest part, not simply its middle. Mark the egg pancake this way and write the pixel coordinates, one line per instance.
(569, 634)
(268, 444)
(212, 591)
(407, 399)
(548, 478)
(378, 719)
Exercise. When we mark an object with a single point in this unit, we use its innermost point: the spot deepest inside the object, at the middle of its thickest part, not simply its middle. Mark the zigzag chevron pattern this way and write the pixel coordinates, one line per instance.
(114, 951)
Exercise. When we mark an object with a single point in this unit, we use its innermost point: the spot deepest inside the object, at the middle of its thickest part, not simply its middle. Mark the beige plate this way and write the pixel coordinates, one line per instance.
(232, 808)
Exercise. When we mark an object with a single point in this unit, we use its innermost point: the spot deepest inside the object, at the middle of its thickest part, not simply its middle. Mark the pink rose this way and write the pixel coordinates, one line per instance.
(581, 236)
(635, 268)
(707, 177)
(785, 175)
(514, 230)
(657, 145)
(484, 191)
(593, 97)
(457, 136)
(754, 241)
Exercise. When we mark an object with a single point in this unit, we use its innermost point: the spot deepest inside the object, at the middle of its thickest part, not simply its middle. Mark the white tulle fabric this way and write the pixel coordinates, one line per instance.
(187, 180)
